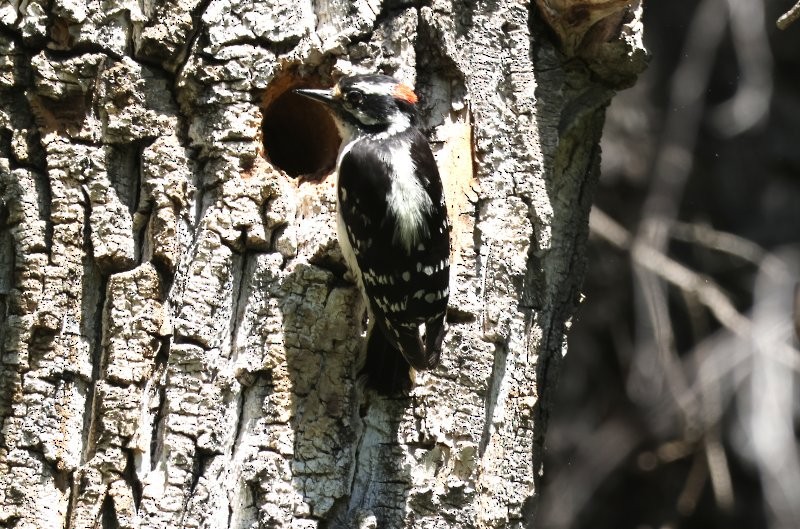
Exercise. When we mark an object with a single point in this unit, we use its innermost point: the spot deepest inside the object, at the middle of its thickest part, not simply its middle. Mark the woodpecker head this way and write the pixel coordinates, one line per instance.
(370, 103)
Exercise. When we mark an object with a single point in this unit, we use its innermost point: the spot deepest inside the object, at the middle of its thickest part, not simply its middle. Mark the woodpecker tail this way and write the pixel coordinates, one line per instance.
(389, 360)
(386, 369)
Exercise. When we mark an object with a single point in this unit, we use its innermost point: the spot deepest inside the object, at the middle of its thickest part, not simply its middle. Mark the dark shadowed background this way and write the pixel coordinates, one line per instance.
(678, 404)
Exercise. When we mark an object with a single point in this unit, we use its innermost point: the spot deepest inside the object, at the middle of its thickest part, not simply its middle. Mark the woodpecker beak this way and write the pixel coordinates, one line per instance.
(323, 96)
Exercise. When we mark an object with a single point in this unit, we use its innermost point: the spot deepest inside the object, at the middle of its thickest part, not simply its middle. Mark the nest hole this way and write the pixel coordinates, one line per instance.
(300, 137)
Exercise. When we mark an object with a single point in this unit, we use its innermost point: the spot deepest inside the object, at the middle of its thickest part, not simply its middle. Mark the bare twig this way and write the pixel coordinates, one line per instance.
(687, 102)
(673, 272)
(790, 17)
(693, 488)
(673, 164)
(718, 240)
(719, 470)
(731, 244)
(750, 103)
(707, 291)
(768, 406)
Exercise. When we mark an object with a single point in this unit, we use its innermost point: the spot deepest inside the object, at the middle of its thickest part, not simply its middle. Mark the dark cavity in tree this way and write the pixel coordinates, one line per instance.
(300, 137)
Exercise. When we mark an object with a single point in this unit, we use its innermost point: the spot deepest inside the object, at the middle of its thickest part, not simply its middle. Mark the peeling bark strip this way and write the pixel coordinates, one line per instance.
(179, 342)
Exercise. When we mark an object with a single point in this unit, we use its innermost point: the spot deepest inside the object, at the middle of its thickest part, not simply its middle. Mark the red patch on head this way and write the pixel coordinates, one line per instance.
(404, 93)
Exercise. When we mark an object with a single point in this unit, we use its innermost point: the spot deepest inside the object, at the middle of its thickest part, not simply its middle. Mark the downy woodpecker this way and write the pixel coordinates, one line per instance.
(392, 224)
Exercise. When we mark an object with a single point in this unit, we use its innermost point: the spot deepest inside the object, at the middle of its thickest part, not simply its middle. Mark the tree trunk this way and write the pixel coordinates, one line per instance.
(179, 343)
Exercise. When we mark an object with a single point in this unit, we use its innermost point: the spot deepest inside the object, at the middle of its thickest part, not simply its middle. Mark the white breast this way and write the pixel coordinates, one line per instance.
(407, 201)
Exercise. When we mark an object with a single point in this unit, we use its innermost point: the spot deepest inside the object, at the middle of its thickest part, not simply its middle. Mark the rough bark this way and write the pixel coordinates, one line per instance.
(179, 342)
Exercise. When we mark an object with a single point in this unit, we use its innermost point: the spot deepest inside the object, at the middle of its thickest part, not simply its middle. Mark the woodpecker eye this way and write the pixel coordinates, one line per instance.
(354, 98)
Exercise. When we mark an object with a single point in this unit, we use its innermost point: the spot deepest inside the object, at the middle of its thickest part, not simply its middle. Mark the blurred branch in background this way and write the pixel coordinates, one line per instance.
(703, 287)
(656, 361)
(768, 406)
(749, 105)
(674, 163)
(680, 396)
(751, 362)
(768, 361)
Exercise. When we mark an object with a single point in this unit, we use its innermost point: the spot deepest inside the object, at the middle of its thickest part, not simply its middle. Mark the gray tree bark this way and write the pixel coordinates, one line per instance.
(179, 342)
